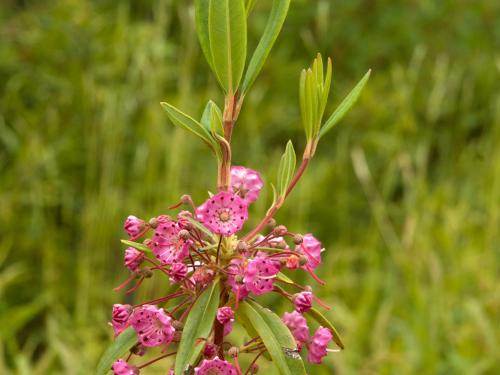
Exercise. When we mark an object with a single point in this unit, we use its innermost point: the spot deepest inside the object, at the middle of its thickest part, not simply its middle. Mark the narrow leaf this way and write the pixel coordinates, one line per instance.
(121, 346)
(201, 19)
(227, 30)
(198, 325)
(323, 321)
(286, 168)
(276, 337)
(185, 121)
(137, 245)
(345, 105)
(273, 27)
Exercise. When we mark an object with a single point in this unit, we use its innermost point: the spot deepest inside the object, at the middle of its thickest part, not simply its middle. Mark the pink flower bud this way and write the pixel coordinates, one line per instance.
(311, 249)
(297, 324)
(133, 259)
(225, 315)
(120, 316)
(177, 272)
(303, 301)
(318, 345)
(121, 367)
(210, 350)
(133, 226)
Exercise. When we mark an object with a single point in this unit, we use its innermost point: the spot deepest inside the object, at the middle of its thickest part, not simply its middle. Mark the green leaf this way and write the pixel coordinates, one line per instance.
(345, 106)
(137, 245)
(201, 18)
(273, 27)
(286, 168)
(122, 344)
(202, 228)
(185, 121)
(276, 337)
(323, 321)
(227, 30)
(211, 119)
(198, 325)
(249, 4)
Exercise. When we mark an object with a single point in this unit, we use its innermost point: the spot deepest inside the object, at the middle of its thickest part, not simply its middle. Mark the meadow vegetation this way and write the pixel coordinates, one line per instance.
(404, 194)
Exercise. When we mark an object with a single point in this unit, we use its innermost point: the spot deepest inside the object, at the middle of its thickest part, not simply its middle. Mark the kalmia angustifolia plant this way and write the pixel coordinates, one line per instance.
(216, 271)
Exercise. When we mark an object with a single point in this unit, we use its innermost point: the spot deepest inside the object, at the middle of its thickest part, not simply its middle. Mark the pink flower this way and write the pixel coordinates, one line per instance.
(224, 213)
(260, 274)
(215, 367)
(225, 316)
(311, 248)
(121, 367)
(166, 244)
(133, 226)
(236, 276)
(177, 272)
(303, 301)
(120, 316)
(133, 258)
(318, 345)
(153, 325)
(247, 183)
(297, 324)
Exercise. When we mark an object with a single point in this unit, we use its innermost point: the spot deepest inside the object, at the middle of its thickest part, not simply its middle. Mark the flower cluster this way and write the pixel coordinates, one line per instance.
(201, 246)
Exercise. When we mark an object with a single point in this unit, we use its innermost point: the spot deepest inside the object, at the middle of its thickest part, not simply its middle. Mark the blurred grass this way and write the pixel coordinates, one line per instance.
(405, 194)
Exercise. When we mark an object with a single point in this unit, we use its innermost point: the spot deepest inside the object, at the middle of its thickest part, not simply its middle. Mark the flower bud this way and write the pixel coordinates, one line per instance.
(280, 230)
(153, 222)
(242, 247)
(183, 234)
(210, 350)
(298, 239)
(147, 273)
(186, 199)
(238, 279)
(138, 349)
(233, 352)
(133, 226)
(178, 325)
(271, 223)
(292, 262)
(303, 260)
(303, 301)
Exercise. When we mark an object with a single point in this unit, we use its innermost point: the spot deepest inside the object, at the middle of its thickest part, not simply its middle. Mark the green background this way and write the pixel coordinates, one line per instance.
(404, 194)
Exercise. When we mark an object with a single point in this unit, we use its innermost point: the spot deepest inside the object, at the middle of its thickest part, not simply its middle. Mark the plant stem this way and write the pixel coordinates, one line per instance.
(279, 202)
(156, 359)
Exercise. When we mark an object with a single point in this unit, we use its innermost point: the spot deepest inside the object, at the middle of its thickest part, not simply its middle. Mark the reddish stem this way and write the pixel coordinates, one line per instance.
(279, 203)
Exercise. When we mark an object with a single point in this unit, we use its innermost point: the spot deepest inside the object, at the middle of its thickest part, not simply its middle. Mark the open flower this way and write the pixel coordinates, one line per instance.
(260, 274)
(297, 324)
(246, 182)
(311, 249)
(215, 366)
(153, 325)
(236, 276)
(167, 245)
(318, 345)
(121, 314)
(121, 367)
(224, 213)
